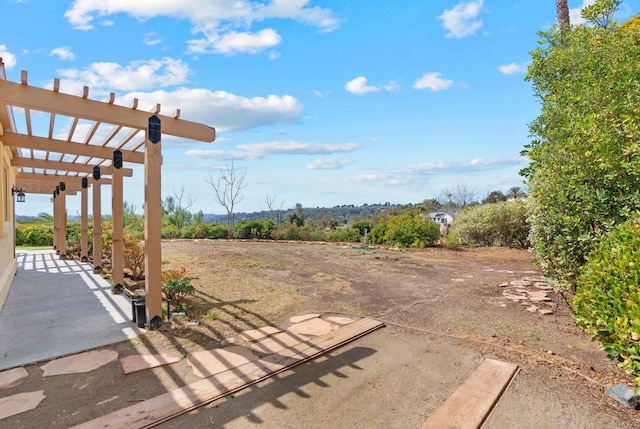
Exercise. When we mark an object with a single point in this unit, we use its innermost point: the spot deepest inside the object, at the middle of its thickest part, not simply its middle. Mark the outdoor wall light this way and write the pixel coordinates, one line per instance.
(20, 193)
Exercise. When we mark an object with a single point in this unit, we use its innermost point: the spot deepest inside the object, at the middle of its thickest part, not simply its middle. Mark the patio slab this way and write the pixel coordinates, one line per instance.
(58, 307)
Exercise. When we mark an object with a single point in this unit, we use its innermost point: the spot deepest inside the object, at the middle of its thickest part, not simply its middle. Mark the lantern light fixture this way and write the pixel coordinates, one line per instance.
(20, 194)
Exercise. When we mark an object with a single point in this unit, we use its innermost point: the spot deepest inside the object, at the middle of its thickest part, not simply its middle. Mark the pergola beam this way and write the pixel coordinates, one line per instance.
(62, 146)
(44, 100)
(66, 166)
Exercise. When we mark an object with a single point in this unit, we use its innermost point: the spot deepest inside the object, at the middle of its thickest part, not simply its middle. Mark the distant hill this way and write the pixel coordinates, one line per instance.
(344, 214)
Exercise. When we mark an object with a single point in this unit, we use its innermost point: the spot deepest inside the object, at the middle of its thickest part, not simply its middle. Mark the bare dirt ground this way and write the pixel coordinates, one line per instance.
(444, 309)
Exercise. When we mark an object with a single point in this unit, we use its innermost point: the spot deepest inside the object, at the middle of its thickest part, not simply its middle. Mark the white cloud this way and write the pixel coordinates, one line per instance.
(575, 14)
(264, 150)
(63, 52)
(233, 42)
(512, 68)
(358, 86)
(415, 171)
(135, 76)
(462, 20)
(216, 20)
(8, 58)
(327, 164)
(433, 82)
(152, 38)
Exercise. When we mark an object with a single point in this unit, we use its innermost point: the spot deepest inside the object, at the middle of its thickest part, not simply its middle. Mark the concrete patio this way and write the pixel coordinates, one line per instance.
(58, 307)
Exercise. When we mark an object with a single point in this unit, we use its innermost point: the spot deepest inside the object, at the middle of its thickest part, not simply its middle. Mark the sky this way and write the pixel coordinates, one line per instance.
(318, 102)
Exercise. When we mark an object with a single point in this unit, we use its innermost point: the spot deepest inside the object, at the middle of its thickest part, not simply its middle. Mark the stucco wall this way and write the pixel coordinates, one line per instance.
(7, 231)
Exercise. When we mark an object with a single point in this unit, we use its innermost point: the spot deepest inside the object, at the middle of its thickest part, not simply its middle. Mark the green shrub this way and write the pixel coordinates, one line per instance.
(177, 290)
(33, 235)
(347, 235)
(406, 230)
(215, 230)
(496, 224)
(256, 229)
(607, 301)
(170, 231)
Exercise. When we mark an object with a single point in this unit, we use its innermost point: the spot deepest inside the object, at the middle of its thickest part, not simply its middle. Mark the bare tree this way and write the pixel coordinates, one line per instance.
(228, 186)
(562, 9)
(277, 213)
(182, 205)
(457, 196)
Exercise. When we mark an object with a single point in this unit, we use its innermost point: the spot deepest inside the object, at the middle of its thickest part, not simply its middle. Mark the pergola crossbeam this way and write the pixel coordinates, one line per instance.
(62, 146)
(66, 166)
(31, 97)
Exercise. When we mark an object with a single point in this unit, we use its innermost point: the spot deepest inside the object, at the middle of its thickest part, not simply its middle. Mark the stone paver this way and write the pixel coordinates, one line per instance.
(206, 363)
(257, 334)
(339, 320)
(311, 327)
(135, 363)
(530, 292)
(19, 403)
(278, 342)
(83, 362)
(12, 377)
(302, 318)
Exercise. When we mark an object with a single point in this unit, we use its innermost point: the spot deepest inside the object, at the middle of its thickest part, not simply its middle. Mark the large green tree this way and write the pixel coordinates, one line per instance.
(584, 175)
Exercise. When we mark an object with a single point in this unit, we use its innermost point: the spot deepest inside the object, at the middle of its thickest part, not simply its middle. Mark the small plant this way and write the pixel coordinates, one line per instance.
(177, 290)
(173, 273)
(133, 256)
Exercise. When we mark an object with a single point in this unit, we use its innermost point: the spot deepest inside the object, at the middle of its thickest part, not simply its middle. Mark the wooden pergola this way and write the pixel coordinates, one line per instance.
(61, 166)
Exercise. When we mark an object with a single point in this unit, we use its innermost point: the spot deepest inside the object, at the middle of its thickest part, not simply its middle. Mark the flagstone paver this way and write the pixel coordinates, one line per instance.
(339, 320)
(206, 363)
(135, 363)
(256, 334)
(12, 377)
(83, 362)
(311, 327)
(302, 318)
(278, 342)
(19, 403)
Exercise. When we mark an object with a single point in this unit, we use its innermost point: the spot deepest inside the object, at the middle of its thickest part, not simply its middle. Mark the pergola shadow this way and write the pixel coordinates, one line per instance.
(59, 307)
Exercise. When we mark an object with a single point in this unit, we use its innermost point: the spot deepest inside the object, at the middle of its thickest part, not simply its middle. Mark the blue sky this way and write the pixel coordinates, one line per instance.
(323, 103)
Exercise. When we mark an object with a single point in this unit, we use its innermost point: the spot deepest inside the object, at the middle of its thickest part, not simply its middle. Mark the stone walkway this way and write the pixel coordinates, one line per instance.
(204, 363)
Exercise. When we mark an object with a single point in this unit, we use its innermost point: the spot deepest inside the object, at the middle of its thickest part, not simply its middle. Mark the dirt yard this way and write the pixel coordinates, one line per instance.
(444, 309)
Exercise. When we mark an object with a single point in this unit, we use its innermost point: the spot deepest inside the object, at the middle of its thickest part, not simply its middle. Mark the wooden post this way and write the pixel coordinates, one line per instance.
(117, 224)
(153, 223)
(84, 227)
(62, 212)
(55, 221)
(97, 223)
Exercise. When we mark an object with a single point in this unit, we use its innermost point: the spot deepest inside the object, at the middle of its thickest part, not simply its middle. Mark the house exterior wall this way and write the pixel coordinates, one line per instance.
(7, 227)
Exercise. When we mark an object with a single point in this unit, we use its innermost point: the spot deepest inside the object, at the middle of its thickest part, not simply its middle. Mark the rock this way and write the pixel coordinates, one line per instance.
(624, 395)
(545, 312)
(532, 309)
(505, 284)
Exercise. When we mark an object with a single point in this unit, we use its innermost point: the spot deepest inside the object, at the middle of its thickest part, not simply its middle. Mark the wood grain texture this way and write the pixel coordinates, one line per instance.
(470, 404)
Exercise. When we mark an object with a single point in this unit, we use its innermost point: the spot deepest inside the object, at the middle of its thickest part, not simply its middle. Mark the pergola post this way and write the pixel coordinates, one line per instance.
(62, 212)
(117, 223)
(55, 220)
(153, 223)
(97, 222)
(84, 221)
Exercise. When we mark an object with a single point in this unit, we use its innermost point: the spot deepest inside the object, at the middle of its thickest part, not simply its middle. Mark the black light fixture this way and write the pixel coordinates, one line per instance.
(20, 193)
(96, 172)
(117, 159)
